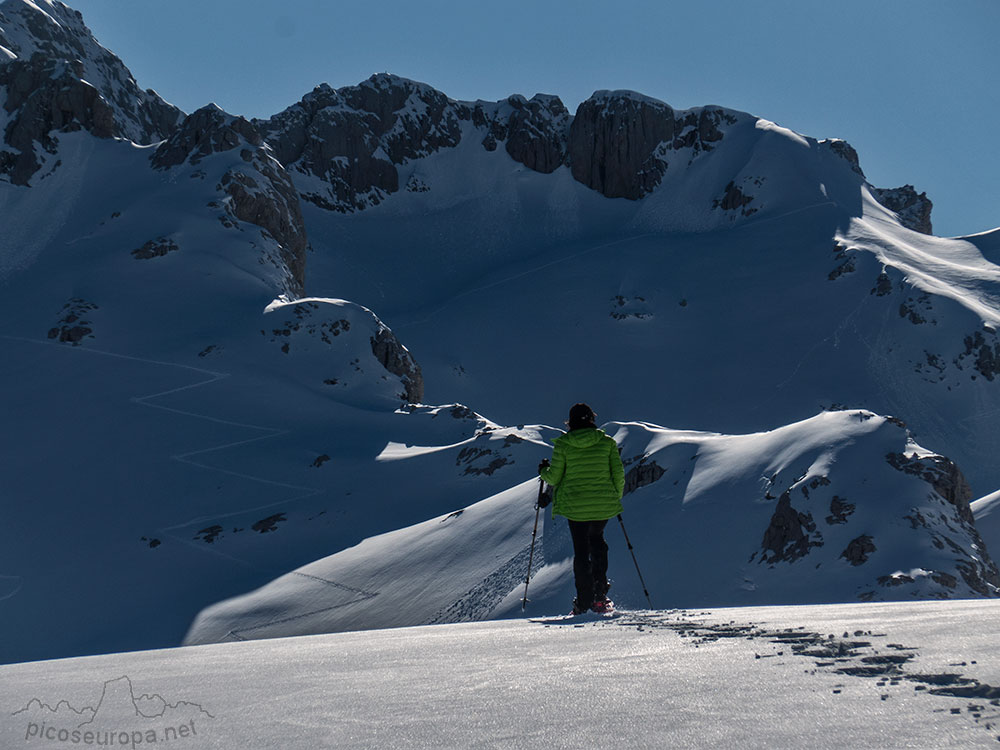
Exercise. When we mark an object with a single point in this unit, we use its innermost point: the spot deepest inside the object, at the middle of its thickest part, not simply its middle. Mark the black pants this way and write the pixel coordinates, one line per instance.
(590, 560)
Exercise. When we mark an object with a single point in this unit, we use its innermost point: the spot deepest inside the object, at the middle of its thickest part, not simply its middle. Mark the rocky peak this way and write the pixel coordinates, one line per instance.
(206, 131)
(257, 189)
(58, 78)
(621, 142)
(353, 137)
(534, 131)
(845, 151)
(912, 208)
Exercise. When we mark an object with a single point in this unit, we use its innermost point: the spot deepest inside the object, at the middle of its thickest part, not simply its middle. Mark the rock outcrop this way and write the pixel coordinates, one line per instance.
(790, 534)
(258, 191)
(395, 358)
(620, 142)
(912, 208)
(946, 479)
(352, 138)
(534, 131)
(57, 78)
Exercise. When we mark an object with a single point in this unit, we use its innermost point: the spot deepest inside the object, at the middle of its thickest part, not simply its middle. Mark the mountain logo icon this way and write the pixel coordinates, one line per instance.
(121, 716)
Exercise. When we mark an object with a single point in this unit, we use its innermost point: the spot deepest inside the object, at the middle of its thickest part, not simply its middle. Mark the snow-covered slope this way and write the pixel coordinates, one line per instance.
(840, 507)
(836, 676)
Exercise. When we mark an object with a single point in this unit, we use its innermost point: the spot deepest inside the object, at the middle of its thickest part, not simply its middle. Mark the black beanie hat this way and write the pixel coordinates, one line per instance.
(581, 415)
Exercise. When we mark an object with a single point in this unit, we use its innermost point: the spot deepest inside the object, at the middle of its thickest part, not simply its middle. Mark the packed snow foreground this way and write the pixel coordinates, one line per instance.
(214, 437)
(878, 675)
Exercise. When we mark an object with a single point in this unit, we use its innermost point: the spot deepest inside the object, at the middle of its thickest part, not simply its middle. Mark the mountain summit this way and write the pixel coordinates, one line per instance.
(59, 79)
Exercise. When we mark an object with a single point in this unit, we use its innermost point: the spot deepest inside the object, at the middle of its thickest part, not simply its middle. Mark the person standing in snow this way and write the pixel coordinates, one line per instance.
(587, 474)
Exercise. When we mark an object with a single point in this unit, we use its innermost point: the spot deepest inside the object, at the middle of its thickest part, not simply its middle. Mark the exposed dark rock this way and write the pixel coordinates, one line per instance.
(396, 359)
(74, 324)
(536, 132)
(642, 474)
(204, 132)
(620, 142)
(46, 96)
(814, 484)
(270, 523)
(846, 267)
(913, 209)
(354, 137)
(57, 34)
(858, 550)
(897, 579)
(909, 309)
(945, 579)
(155, 249)
(260, 193)
(470, 454)
(840, 509)
(987, 355)
(209, 534)
(790, 535)
(883, 285)
(614, 140)
(845, 151)
(976, 566)
(63, 80)
(735, 199)
(942, 474)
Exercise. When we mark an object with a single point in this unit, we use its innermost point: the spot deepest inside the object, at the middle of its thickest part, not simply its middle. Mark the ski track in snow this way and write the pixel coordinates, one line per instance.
(857, 654)
(360, 596)
(187, 458)
(480, 601)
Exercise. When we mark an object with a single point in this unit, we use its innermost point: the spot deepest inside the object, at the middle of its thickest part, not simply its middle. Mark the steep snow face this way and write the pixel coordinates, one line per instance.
(839, 507)
(58, 78)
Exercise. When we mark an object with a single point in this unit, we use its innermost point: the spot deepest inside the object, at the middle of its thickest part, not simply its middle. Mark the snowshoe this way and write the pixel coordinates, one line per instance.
(603, 606)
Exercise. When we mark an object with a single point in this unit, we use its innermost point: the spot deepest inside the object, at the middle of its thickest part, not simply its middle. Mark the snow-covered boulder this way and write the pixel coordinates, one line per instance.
(341, 347)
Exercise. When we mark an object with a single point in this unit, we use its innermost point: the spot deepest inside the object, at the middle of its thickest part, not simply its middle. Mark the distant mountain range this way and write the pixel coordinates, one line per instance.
(222, 336)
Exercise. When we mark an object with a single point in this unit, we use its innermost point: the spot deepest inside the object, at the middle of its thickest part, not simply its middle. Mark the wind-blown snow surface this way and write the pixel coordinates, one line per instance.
(840, 507)
(861, 676)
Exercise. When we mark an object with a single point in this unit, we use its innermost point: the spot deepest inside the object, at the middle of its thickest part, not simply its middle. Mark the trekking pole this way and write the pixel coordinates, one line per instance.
(534, 533)
(635, 561)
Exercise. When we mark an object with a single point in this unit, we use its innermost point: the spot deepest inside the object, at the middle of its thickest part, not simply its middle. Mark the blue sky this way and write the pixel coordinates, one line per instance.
(911, 84)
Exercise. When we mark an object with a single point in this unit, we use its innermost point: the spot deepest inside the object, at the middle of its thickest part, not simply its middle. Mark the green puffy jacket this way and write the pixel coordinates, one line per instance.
(588, 475)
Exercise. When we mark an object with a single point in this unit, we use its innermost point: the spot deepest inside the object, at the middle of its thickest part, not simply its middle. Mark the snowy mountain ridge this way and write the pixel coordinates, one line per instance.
(355, 139)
